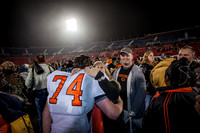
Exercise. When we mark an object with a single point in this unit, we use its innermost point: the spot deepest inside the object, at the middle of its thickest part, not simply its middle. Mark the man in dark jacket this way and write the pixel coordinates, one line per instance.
(172, 108)
(189, 53)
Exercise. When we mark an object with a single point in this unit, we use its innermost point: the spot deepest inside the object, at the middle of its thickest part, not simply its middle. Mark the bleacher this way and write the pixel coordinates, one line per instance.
(14, 51)
(159, 43)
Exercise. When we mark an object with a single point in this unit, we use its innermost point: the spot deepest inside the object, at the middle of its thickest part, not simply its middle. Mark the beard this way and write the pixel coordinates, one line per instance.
(126, 64)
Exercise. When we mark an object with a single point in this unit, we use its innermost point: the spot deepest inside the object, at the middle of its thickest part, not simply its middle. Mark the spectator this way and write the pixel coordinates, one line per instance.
(67, 109)
(189, 53)
(39, 85)
(11, 110)
(147, 65)
(157, 75)
(111, 88)
(111, 66)
(133, 90)
(97, 59)
(12, 83)
(23, 71)
(10, 113)
(135, 61)
(54, 65)
(109, 61)
(172, 108)
(64, 67)
(117, 63)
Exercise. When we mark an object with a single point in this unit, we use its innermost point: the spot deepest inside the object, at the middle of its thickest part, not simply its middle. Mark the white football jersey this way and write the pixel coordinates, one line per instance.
(70, 99)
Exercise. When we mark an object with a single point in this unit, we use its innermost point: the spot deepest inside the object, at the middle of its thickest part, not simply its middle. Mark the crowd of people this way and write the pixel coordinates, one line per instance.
(121, 95)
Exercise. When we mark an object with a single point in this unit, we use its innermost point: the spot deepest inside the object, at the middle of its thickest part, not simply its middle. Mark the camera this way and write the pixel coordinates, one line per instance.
(38, 69)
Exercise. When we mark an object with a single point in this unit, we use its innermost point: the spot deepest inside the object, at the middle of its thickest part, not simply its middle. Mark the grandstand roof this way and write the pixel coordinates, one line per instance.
(38, 23)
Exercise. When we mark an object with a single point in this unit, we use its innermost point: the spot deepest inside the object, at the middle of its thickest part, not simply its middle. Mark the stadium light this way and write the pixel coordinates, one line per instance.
(72, 25)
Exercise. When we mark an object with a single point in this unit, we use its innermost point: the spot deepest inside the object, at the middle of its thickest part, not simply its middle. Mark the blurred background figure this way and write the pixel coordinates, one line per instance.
(147, 64)
(135, 61)
(12, 82)
(11, 111)
(23, 71)
(189, 53)
(37, 84)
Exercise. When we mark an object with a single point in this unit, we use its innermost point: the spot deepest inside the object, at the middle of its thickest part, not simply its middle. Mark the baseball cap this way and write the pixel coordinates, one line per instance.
(126, 50)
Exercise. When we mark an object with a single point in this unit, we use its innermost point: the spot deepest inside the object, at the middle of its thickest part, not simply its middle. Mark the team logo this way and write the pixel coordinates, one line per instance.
(123, 77)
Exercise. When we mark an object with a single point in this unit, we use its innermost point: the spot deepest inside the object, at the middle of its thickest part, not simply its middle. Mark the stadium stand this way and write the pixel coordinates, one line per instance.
(166, 43)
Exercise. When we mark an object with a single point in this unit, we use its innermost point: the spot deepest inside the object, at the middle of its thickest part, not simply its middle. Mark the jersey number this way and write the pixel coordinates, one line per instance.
(73, 89)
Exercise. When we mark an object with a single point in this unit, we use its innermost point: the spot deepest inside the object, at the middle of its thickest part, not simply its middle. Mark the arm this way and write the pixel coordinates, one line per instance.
(75, 70)
(46, 120)
(28, 81)
(111, 88)
(110, 109)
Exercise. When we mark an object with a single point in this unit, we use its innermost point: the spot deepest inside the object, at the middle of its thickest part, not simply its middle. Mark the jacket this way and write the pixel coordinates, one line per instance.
(136, 91)
(172, 111)
(146, 68)
(196, 69)
(40, 81)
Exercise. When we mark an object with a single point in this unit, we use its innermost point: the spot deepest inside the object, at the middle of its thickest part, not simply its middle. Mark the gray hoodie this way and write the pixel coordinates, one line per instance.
(136, 92)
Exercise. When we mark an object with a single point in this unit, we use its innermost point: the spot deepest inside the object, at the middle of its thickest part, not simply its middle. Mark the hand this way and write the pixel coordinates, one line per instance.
(91, 71)
(27, 103)
(75, 70)
(119, 99)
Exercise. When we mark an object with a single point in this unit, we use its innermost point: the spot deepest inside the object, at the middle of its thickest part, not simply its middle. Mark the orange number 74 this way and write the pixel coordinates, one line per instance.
(77, 92)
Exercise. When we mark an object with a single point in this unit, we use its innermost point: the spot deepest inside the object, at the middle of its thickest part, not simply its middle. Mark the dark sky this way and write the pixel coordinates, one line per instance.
(41, 22)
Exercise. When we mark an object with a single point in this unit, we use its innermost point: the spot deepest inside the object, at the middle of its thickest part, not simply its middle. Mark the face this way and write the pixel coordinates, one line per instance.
(126, 59)
(100, 67)
(151, 57)
(187, 53)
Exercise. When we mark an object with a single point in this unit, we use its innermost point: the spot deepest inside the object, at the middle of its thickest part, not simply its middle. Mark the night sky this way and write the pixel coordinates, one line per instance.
(41, 22)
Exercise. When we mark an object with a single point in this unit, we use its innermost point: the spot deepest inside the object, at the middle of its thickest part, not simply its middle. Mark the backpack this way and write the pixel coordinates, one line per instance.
(13, 119)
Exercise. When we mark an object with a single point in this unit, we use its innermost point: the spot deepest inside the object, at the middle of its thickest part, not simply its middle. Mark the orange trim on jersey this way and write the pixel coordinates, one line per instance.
(165, 105)
(164, 111)
(187, 89)
(167, 112)
(156, 95)
(166, 101)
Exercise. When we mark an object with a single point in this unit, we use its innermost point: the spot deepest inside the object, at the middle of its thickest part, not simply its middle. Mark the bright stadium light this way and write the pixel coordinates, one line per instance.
(72, 25)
